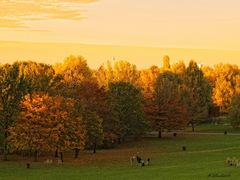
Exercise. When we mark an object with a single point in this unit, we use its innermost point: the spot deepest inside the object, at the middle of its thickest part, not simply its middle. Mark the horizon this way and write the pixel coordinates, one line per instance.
(119, 45)
(99, 54)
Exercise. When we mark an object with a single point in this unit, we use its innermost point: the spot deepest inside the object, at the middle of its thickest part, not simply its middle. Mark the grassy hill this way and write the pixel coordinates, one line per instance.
(204, 158)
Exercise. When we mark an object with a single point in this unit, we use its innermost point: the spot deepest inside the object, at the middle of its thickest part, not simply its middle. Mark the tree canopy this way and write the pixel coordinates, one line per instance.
(69, 106)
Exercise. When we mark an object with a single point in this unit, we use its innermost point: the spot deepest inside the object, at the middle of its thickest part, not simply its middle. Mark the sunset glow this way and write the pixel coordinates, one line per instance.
(119, 89)
(203, 24)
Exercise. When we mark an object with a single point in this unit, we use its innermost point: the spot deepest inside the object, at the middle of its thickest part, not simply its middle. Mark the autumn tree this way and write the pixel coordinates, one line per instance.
(210, 75)
(169, 111)
(72, 132)
(78, 82)
(166, 63)
(198, 94)
(75, 80)
(96, 101)
(126, 101)
(225, 85)
(125, 72)
(103, 75)
(117, 71)
(39, 76)
(179, 68)
(237, 87)
(72, 73)
(12, 89)
(147, 81)
(48, 123)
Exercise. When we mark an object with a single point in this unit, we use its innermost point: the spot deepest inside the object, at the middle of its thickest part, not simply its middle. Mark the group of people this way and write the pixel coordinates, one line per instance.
(233, 162)
(139, 161)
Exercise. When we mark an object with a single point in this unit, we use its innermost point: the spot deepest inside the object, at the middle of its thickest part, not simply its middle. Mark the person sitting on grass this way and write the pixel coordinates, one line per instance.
(140, 161)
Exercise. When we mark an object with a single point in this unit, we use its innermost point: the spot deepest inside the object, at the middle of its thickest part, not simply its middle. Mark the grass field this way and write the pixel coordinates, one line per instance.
(204, 159)
(221, 125)
(216, 128)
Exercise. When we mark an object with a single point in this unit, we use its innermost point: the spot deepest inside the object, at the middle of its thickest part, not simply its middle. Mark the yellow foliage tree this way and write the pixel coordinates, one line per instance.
(118, 71)
(225, 87)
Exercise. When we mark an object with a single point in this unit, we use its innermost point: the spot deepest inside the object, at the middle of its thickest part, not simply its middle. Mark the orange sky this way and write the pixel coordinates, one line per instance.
(97, 55)
(201, 24)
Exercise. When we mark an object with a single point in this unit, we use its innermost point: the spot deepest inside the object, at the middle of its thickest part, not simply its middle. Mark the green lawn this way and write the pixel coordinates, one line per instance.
(204, 158)
(214, 128)
(220, 125)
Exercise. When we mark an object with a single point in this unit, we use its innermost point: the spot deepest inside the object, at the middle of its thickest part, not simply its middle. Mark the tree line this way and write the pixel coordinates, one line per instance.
(69, 106)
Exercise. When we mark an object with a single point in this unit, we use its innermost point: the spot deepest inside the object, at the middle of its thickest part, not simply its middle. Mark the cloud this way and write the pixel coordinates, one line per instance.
(15, 13)
(10, 23)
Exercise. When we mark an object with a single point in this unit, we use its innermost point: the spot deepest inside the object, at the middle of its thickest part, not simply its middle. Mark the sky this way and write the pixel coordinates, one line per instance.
(201, 24)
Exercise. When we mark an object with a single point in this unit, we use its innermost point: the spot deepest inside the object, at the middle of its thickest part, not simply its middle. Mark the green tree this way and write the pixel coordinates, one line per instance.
(12, 89)
(198, 94)
(234, 113)
(126, 101)
(95, 100)
(94, 129)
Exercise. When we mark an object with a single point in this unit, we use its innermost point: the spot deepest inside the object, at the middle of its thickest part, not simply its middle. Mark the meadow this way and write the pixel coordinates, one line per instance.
(204, 158)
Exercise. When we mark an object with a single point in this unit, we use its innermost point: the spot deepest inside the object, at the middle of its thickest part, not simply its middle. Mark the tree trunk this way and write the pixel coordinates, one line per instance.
(119, 140)
(5, 150)
(76, 153)
(56, 153)
(35, 155)
(160, 133)
(61, 156)
(193, 128)
(94, 148)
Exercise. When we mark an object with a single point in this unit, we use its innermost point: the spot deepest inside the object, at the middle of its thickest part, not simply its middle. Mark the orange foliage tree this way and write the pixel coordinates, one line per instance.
(48, 123)
(79, 82)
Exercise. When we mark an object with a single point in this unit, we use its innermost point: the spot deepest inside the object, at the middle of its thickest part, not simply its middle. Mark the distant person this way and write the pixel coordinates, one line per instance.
(138, 159)
(148, 161)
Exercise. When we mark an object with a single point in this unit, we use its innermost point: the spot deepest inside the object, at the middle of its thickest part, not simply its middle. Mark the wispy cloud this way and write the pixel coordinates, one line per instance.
(14, 13)
(10, 23)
